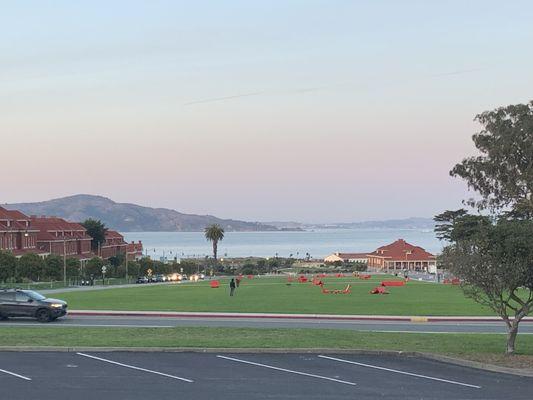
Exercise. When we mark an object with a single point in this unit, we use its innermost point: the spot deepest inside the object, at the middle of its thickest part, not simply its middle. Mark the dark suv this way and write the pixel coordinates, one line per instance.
(27, 303)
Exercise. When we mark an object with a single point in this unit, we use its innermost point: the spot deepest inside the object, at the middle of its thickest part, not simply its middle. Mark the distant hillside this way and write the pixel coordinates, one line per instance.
(131, 217)
(406, 223)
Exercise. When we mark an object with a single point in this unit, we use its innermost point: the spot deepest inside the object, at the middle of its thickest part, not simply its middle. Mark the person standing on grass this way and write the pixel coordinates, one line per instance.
(231, 287)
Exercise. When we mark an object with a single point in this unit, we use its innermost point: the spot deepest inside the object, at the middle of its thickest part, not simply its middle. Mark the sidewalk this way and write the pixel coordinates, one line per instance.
(180, 314)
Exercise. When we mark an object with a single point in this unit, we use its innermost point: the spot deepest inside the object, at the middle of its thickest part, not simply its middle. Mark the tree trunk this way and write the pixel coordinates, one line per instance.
(512, 331)
(215, 246)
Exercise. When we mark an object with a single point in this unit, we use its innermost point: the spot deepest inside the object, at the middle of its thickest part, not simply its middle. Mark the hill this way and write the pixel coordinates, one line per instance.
(131, 217)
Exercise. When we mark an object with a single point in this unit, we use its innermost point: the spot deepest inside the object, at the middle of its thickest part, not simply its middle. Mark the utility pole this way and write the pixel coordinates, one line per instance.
(127, 263)
(64, 260)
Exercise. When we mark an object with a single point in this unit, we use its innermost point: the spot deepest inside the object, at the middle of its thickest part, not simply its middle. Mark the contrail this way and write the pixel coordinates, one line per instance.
(325, 87)
(223, 98)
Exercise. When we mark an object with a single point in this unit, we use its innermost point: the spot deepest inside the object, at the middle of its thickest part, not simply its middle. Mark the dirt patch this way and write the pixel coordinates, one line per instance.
(516, 361)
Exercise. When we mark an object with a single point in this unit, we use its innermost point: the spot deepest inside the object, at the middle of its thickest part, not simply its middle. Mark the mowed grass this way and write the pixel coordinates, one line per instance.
(273, 295)
(488, 347)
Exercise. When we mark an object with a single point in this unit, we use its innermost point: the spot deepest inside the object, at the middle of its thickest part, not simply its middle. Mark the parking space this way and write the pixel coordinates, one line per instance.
(140, 375)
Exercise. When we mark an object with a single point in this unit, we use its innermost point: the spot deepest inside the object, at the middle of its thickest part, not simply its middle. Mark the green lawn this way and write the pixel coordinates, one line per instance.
(456, 344)
(275, 296)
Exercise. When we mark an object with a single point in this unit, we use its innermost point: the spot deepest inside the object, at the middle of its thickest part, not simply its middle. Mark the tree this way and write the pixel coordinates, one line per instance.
(493, 254)
(214, 233)
(31, 266)
(97, 230)
(53, 267)
(8, 265)
(495, 263)
(94, 267)
(73, 268)
(503, 172)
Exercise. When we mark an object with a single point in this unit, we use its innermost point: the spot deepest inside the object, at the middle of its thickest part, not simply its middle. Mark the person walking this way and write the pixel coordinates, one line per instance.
(231, 287)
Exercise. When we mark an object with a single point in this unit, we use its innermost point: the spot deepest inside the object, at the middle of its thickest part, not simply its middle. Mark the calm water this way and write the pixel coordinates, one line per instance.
(318, 243)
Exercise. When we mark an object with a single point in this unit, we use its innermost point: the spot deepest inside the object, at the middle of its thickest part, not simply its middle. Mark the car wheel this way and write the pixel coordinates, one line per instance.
(43, 315)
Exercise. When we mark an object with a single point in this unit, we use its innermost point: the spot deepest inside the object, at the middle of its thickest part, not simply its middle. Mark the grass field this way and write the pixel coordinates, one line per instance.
(275, 296)
(487, 347)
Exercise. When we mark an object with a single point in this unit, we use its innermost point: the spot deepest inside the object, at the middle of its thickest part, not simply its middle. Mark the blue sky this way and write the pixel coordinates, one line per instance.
(305, 110)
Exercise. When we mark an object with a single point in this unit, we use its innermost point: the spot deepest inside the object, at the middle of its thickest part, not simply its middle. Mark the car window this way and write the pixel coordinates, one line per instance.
(21, 296)
(34, 295)
(7, 296)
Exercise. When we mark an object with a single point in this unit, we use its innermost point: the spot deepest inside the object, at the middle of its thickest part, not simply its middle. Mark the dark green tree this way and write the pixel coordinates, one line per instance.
(495, 264)
(53, 267)
(214, 233)
(31, 266)
(94, 267)
(502, 173)
(8, 266)
(73, 268)
(97, 230)
(493, 254)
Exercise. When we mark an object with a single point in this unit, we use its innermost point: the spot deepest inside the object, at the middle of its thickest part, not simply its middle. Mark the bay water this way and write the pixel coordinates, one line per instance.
(318, 243)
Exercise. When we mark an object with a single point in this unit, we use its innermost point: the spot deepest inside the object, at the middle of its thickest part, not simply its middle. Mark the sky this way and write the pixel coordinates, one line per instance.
(314, 111)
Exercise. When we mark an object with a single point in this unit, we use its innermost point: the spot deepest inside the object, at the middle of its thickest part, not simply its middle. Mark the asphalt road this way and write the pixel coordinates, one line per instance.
(135, 375)
(378, 326)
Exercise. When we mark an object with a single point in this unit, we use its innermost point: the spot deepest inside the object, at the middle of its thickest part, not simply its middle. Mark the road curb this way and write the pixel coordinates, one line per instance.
(428, 356)
(394, 318)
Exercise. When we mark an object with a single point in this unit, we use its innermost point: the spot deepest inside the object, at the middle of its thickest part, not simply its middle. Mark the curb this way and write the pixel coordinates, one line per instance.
(394, 318)
(428, 356)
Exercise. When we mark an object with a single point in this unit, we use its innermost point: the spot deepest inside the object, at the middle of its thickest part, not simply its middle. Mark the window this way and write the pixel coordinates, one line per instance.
(21, 296)
(7, 296)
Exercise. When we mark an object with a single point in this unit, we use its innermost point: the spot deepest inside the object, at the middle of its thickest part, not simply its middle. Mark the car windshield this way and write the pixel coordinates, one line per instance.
(34, 295)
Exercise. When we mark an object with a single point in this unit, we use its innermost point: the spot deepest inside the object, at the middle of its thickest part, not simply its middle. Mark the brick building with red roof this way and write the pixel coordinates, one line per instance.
(20, 234)
(17, 234)
(58, 236)
(401, 255)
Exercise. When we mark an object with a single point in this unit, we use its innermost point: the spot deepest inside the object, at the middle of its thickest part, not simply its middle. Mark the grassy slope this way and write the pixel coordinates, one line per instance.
(274, 295)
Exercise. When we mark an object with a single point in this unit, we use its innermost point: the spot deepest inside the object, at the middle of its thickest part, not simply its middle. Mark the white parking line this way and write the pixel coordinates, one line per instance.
(287, 370)
(400, 372)
(136, 368)
(16, 375)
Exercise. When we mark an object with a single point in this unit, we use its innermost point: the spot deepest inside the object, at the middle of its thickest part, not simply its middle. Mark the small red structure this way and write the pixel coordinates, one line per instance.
(379, 290)
(346, 290)
(214, 284)
(302, 279)
(365, 276)
(456, 281)
(340, 276)
(393, 283)
(250, 277)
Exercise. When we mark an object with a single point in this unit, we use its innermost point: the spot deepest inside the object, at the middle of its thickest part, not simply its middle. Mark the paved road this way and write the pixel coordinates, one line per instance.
(381, 326)
(134, 375)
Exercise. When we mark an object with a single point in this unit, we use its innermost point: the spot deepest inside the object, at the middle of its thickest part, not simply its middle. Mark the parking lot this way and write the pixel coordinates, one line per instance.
(142, 375)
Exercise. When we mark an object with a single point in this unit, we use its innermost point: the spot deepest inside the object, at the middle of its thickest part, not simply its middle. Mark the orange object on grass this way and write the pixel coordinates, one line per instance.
(214, 284)
(392, 283)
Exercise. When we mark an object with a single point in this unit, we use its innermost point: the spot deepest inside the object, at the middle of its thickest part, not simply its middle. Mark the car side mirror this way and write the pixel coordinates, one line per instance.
(30, 300)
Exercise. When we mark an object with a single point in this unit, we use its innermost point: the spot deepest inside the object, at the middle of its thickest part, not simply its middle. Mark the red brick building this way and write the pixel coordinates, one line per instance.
(58, 236)
(401, 255)
(17, 234)
(43, 235)
(135, 250)
(113, 245)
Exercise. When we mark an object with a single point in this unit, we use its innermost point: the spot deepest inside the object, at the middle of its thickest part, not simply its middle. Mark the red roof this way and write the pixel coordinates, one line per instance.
(49, 226)
(400, 250)
(113, 235)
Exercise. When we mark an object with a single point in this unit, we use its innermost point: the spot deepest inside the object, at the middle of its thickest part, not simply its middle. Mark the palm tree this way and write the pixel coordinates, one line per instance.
(214, 233)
